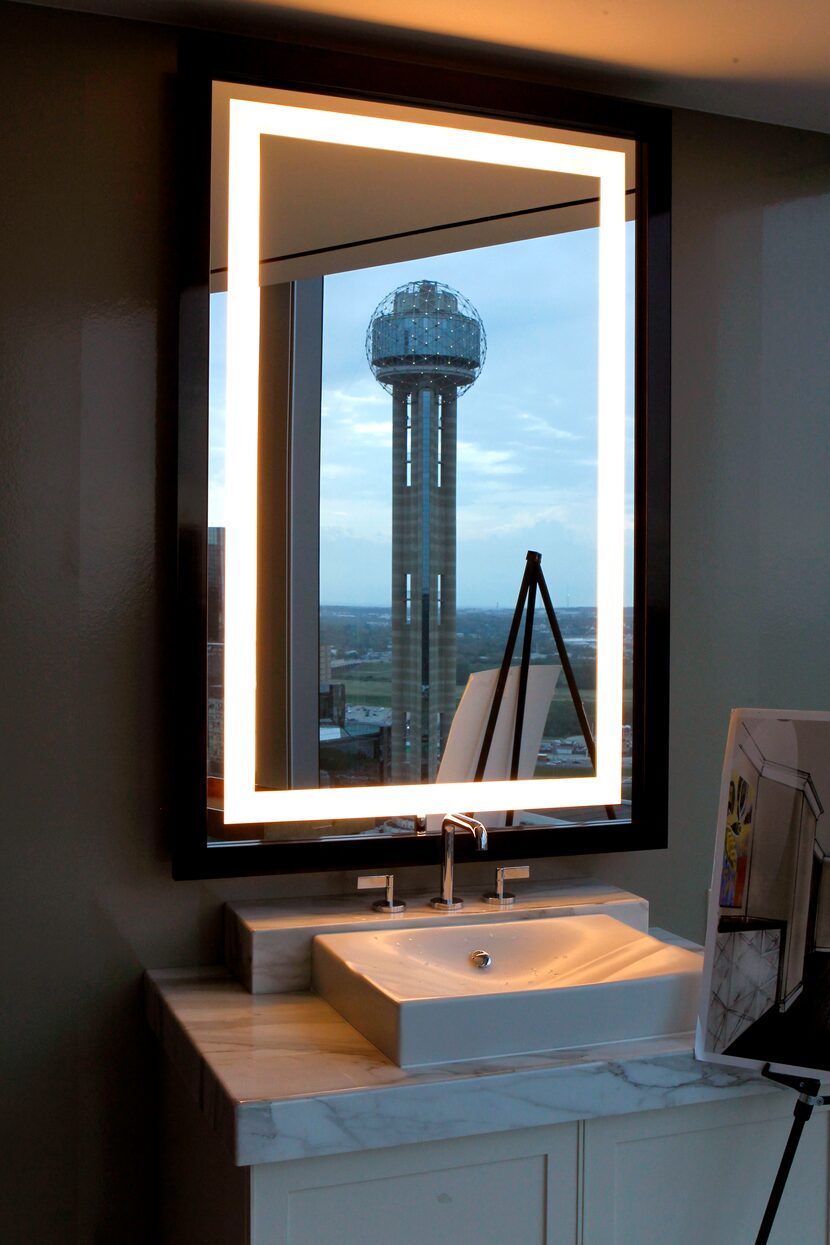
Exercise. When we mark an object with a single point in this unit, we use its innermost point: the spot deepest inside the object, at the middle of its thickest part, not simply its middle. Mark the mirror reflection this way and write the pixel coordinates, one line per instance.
(428, 398)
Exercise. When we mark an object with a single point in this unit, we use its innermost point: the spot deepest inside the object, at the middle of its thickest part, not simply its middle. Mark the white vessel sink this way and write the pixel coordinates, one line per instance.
(552, 983)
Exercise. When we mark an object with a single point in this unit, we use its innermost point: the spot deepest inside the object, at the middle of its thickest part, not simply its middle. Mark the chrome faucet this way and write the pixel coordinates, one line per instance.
(446, 901)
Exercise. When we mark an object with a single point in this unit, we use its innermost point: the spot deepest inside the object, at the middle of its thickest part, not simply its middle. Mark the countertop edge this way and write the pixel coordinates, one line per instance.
(435, 1104)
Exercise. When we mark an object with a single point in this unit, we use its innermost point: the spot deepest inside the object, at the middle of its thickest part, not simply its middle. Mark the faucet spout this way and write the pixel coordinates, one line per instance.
(459, 822)
(447, 901)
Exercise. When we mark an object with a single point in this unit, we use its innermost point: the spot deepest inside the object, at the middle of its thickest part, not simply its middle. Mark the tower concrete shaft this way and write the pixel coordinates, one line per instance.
(423, 577)
(425, 344)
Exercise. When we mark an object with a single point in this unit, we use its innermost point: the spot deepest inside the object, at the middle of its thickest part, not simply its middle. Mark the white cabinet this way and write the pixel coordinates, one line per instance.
(695, 1175)
(701, 1175)
(518, 1187)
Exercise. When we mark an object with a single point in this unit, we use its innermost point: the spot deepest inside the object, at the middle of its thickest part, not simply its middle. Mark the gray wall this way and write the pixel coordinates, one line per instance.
(751, 462)
(87, 394)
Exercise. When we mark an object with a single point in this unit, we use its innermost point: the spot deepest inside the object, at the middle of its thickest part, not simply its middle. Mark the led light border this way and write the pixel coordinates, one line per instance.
(249, 121)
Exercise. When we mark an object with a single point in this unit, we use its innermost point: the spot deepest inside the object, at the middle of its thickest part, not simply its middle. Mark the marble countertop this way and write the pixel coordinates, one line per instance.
(283, 1076)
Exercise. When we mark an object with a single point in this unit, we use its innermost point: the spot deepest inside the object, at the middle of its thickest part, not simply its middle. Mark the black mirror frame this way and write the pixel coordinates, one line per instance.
(206, 57)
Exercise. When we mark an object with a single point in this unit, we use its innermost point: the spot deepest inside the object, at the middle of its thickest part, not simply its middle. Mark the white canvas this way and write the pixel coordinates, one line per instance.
(463, 746)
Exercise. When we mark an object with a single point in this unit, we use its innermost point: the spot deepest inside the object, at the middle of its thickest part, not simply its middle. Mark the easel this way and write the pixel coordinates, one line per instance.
(532, 580)
(808, 1097)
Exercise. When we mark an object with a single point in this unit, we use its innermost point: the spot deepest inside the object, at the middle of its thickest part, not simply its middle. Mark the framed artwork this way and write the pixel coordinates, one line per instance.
(737, 841)
(766, 979)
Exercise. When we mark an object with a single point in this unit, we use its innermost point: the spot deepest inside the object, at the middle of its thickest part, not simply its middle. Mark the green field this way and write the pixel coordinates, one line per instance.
(371, 685)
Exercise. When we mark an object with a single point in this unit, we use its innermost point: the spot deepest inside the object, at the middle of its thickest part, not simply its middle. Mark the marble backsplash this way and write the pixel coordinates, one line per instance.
(268, 946)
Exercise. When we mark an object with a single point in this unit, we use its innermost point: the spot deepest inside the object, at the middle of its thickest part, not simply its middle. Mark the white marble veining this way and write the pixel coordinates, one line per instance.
(268, 945)
(745, 982)
(285, 1077)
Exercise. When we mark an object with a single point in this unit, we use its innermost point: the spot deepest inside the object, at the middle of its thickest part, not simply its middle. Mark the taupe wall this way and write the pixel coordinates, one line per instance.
(751, 462)
(87, 395)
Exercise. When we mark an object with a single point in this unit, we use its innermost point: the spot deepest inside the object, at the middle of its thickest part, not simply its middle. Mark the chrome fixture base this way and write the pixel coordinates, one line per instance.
(383, 905)
(447, 905)
(499, 901)
(500, 898)
(380, 881)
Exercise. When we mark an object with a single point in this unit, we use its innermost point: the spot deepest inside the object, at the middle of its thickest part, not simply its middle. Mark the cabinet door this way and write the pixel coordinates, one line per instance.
(702, 1175)
(516, 1187)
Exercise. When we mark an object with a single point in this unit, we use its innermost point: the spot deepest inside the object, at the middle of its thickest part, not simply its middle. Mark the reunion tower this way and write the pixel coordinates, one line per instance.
(425, 345)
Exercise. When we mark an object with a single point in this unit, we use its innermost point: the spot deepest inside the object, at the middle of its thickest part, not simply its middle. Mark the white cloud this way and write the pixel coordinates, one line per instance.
(371, 522)
(482, 523)
(487, 462)
(340, 399)
(378, 432)
(336, 471)
(534, 423)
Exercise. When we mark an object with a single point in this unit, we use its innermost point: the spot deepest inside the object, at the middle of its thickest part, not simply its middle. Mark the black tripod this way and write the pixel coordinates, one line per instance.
(532, 580)
(808, 1097)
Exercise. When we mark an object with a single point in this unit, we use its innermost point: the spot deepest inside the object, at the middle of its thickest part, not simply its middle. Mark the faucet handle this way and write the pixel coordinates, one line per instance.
(379, 881)
(500, 898)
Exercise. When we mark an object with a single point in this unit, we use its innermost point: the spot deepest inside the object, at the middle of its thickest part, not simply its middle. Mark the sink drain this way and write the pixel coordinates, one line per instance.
(481, 959)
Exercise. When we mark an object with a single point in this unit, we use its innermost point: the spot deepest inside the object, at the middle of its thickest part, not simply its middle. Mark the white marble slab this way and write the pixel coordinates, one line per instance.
(284, 1076)
(268, 946)
(745, 982)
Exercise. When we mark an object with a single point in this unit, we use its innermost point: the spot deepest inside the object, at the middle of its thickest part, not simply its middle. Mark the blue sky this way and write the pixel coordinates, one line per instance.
(526, 429)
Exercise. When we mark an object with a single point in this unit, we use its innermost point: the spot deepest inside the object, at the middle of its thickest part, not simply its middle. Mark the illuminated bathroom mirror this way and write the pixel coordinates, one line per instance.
(423, 495)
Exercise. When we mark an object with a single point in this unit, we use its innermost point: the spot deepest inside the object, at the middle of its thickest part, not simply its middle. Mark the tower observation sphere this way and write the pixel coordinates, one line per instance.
(426, 345)
(426, 331)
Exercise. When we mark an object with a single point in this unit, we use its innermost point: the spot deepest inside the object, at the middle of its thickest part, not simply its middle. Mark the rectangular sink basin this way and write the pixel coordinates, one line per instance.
(552, 983)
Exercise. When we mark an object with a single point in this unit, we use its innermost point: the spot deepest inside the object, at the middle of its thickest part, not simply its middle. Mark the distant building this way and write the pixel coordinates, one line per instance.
(426, 345)
(332, 704)
(356, 755)
(216, 649)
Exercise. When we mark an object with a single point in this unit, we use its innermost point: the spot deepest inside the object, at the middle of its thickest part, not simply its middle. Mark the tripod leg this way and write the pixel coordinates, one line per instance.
(567, 669)
(803, 1111)
(521, 697)
(582, 717)
(501, 682)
